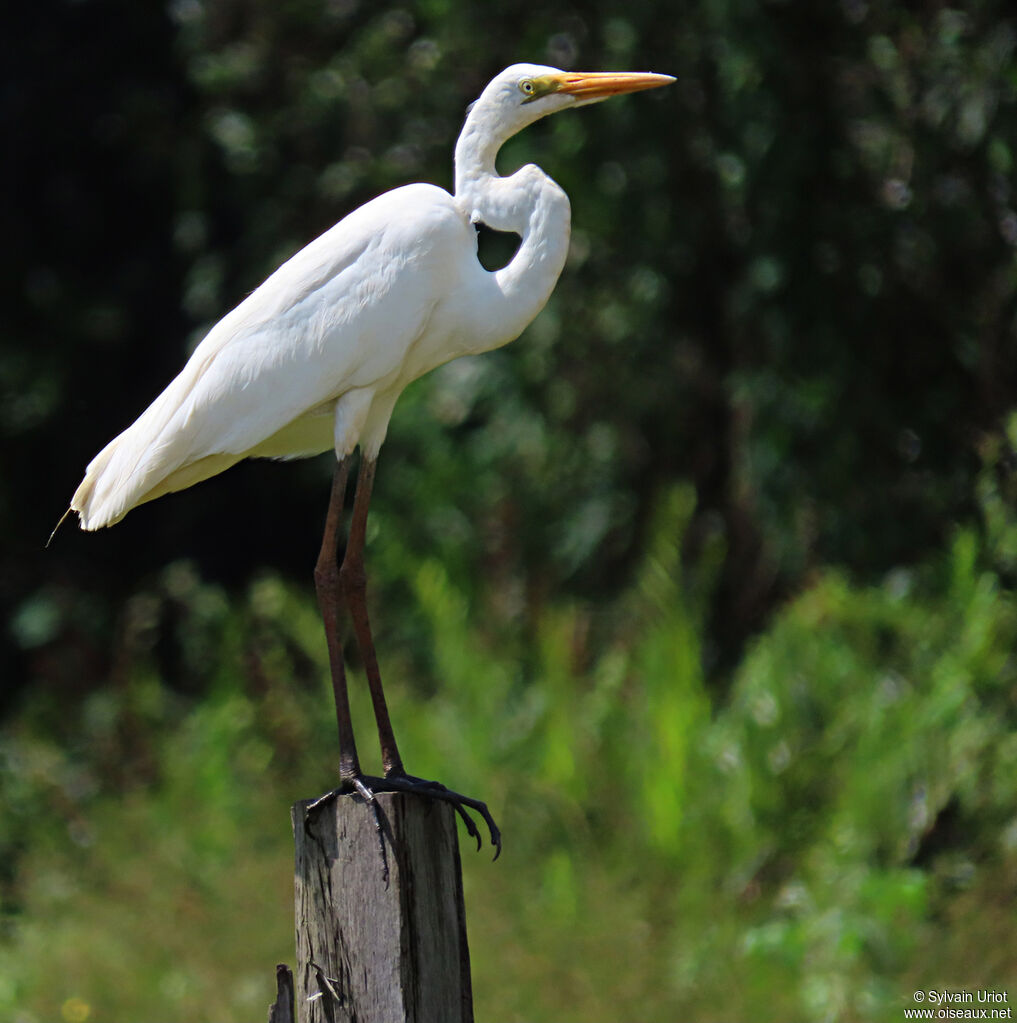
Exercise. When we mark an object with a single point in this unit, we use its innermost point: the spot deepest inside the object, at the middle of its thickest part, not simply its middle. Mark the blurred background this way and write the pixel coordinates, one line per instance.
(706, 584)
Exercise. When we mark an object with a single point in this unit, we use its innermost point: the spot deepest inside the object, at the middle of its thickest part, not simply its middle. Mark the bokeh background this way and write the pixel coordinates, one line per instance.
(706, 583)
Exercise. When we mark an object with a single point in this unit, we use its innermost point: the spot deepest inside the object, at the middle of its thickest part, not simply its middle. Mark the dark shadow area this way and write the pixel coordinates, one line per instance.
(495, 249)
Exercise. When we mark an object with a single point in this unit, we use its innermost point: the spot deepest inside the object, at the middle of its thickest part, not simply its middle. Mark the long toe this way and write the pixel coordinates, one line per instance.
(367, 786)
(435, 790)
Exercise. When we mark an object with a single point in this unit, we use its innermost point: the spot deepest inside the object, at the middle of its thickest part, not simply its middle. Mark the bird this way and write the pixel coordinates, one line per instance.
(316, 357)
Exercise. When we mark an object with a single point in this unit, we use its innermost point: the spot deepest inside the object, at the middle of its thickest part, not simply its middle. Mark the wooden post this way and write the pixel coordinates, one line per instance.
(281, 1010)
(380, 919)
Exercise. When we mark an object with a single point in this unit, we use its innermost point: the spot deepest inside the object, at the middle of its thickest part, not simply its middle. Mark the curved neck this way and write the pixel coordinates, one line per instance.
(476, 150)
(528, 203)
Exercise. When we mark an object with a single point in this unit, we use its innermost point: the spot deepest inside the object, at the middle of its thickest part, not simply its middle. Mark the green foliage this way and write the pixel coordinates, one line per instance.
(791, 280)
(817, 835)
(867, 760)
(753, 749)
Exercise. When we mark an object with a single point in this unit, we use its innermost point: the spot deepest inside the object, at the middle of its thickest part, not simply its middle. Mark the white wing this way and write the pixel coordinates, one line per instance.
(337, 318)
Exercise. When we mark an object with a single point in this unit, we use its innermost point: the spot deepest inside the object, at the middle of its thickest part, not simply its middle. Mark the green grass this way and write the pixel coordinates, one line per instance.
(839, 830)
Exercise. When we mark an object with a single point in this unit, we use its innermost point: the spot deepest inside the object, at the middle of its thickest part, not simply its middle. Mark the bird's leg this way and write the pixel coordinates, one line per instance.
(354, 584)
(327, 587)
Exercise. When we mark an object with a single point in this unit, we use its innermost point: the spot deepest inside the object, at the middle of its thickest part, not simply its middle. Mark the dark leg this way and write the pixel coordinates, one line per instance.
(354, 584)
(326, 584)
(350, 580)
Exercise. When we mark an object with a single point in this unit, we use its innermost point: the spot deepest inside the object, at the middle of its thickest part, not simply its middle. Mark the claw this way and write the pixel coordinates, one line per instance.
(435, 790)
(316, 805)
(367, 787)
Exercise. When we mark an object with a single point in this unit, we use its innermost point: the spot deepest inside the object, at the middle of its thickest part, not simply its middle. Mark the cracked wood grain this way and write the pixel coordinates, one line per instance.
(380, 939)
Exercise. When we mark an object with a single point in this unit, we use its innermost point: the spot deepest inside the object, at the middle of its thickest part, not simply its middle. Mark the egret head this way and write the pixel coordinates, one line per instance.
(520, 95)
(524, 93)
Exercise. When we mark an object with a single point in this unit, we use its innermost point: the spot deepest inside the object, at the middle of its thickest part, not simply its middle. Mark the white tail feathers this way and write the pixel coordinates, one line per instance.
(95, 507)
(119, 479)
(135, 466)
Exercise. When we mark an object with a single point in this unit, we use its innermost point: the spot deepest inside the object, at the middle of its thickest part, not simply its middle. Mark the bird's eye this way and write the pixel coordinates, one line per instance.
(526, 86)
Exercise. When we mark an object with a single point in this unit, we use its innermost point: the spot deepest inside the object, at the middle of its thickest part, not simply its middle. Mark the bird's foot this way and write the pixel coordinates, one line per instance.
(401, 782)
(367, 787)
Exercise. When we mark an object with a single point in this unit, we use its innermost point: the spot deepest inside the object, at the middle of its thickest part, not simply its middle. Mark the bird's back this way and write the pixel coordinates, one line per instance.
(339, 316)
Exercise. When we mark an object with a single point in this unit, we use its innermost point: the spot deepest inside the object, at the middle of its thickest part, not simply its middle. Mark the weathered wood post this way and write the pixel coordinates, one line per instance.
(380, 918)
(281, 1010)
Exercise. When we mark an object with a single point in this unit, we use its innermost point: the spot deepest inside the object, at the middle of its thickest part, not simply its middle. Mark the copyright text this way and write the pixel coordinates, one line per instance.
(943, 1003)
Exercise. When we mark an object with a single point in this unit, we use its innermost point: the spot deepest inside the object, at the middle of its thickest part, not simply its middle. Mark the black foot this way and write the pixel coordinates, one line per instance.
(367, 786)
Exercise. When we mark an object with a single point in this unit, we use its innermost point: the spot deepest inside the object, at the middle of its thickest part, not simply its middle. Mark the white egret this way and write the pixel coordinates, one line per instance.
(316, 357)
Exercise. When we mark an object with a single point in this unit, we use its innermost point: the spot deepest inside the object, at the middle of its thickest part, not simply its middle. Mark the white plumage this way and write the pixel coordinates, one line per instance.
(317, 356)
(303, 362)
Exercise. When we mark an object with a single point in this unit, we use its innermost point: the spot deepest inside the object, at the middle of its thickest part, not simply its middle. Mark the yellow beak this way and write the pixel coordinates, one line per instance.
(590, 85)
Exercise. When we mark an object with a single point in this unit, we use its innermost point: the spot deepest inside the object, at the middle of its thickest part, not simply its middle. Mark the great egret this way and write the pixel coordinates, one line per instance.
(316, 357)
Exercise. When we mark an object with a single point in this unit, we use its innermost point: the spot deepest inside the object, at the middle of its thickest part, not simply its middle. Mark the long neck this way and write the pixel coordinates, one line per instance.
(527, 203)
